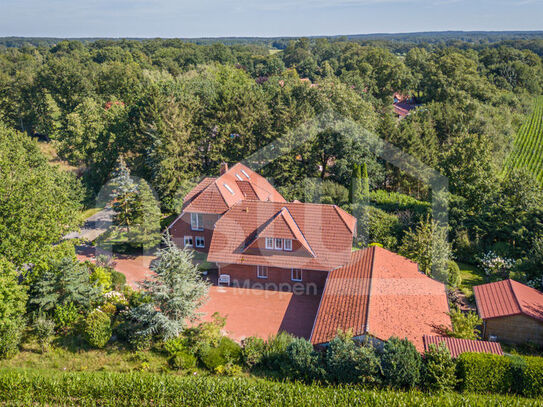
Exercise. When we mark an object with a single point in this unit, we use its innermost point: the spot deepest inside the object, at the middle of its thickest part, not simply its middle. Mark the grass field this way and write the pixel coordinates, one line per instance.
(528, 146)
(470, 276)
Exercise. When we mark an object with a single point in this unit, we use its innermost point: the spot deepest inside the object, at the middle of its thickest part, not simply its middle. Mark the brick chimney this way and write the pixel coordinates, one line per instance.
(224, 167)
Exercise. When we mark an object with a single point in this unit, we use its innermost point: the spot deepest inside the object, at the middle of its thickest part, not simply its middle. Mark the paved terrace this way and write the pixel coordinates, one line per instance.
(249, 311)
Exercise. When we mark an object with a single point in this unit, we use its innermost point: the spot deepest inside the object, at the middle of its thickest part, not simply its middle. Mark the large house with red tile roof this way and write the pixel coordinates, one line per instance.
(380, 294)
(511, 312)
(212, 198)
(257, 239)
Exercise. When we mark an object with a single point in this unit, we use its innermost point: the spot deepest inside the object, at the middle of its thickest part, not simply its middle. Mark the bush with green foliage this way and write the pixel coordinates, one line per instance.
(227, 351)
(465, 325)
(532, 377)
(11, 332)
(43, 329)
(66, 317)
(98, 328)
(182, 360)
(101, 277)
(118, 280)
(484, 373)
(274, 357)
(401, 363)
(303, 362)
(349, 362)
(384, 228)
(453, 274)
(253, 351)
(439, 369)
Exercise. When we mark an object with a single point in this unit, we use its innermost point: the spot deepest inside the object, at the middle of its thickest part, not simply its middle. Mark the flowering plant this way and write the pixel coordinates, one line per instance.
(493, 264)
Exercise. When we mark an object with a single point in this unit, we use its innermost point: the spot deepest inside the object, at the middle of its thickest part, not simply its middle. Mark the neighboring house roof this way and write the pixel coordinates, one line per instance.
(403, 109)
(506, 298)
(217, 195)
(457, 346)
(319, 228)
(381, 294)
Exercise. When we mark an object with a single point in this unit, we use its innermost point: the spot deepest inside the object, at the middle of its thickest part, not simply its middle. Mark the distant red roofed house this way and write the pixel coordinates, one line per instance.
(458, 346)
(511, 312)
(381, 294)
(213, 197)
(281, 243)
(403, 105)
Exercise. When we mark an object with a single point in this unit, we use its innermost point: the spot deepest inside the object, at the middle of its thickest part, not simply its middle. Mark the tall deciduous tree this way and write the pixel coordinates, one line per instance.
(39, 203)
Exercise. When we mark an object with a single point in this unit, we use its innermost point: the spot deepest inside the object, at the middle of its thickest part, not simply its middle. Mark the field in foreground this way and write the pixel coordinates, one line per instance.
(41, 387)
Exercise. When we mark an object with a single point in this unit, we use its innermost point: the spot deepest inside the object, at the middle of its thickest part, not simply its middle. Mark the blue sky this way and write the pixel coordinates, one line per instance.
(199, 18)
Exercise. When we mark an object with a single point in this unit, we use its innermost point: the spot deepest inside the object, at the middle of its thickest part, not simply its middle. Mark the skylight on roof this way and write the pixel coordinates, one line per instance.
(229, 189)
(245, 173)
(239, 177)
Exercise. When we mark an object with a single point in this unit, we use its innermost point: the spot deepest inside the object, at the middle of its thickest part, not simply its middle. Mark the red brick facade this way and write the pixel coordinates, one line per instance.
(182, 227)
(278, 278)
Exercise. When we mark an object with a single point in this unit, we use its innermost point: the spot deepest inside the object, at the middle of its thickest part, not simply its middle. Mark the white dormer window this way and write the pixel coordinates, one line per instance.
(278, 244)
(239, 177)
(245, 173)
(196, 221)
(269, 243)
(229, 189)
(287, 245)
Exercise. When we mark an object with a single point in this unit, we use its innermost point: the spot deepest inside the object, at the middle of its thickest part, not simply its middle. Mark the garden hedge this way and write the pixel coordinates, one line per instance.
(36, 387)
(484, 373)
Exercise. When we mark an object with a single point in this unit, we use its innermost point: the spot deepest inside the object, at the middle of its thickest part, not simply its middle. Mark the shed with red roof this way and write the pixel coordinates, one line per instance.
(458, 346)
(511, 312)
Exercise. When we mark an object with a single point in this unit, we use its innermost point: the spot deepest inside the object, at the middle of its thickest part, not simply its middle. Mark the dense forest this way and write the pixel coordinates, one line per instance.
(174, 110)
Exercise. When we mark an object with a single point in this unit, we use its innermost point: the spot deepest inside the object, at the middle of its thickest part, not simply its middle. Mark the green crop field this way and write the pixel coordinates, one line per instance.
(528, 147)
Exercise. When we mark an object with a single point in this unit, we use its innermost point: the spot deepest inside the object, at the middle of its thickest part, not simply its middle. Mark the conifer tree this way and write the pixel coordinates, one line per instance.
(124, 195)
(148, 216)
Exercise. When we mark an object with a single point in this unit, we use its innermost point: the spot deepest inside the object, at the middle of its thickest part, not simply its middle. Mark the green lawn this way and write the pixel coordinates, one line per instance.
(470, 276)
(87, 213)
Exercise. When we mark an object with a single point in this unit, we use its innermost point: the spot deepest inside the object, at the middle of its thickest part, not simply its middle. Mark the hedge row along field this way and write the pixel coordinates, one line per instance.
(528, 147)
(34, 387)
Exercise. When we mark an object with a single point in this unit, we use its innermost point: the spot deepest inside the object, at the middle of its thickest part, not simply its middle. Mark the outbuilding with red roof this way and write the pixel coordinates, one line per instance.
(511, 312)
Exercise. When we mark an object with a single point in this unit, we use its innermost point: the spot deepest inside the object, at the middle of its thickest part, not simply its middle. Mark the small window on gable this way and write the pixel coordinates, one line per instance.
(229, 189)
(287, 245)
(278, 244)
(296, 275)
(269, 243)
(245, 173)
(196, 221)
(239, 177)
(187, 240)
(262, 271)
(200, 241)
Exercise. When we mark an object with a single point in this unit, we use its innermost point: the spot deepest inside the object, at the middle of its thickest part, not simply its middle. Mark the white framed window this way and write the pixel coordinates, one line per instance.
(196, 221)
(187, 240)
(262, 271)
(239, 177)
(229, 189)
(287, 245)
(278, 244)
(269, 243)
(296, 274)
(245, 173)
(200, 241)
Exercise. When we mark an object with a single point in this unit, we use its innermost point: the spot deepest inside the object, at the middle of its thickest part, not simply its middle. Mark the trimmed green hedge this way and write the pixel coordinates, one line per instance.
(484, 373)
(32, 387)
(394, 201)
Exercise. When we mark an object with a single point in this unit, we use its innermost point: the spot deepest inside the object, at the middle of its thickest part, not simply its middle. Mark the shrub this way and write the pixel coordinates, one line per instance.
(98, 328)
(303, 361)
(464, 325)
(484, 373)
(347, 362)
(532, 385)
(175, 345)
(183, 360)
(206, 333)
(229, 370)
(44, 330)
(66, 317)
(401, 363)
(10, 337)
(274, 357)
(439, 369)
(101, 277)
(118, 280)
(109, 308)
(227, 351)
(253, 351)
(453, 274)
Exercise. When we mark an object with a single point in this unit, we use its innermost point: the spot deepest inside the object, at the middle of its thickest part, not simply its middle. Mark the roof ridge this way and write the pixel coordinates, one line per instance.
(337, 208)
(521, 310)
(299, 229)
